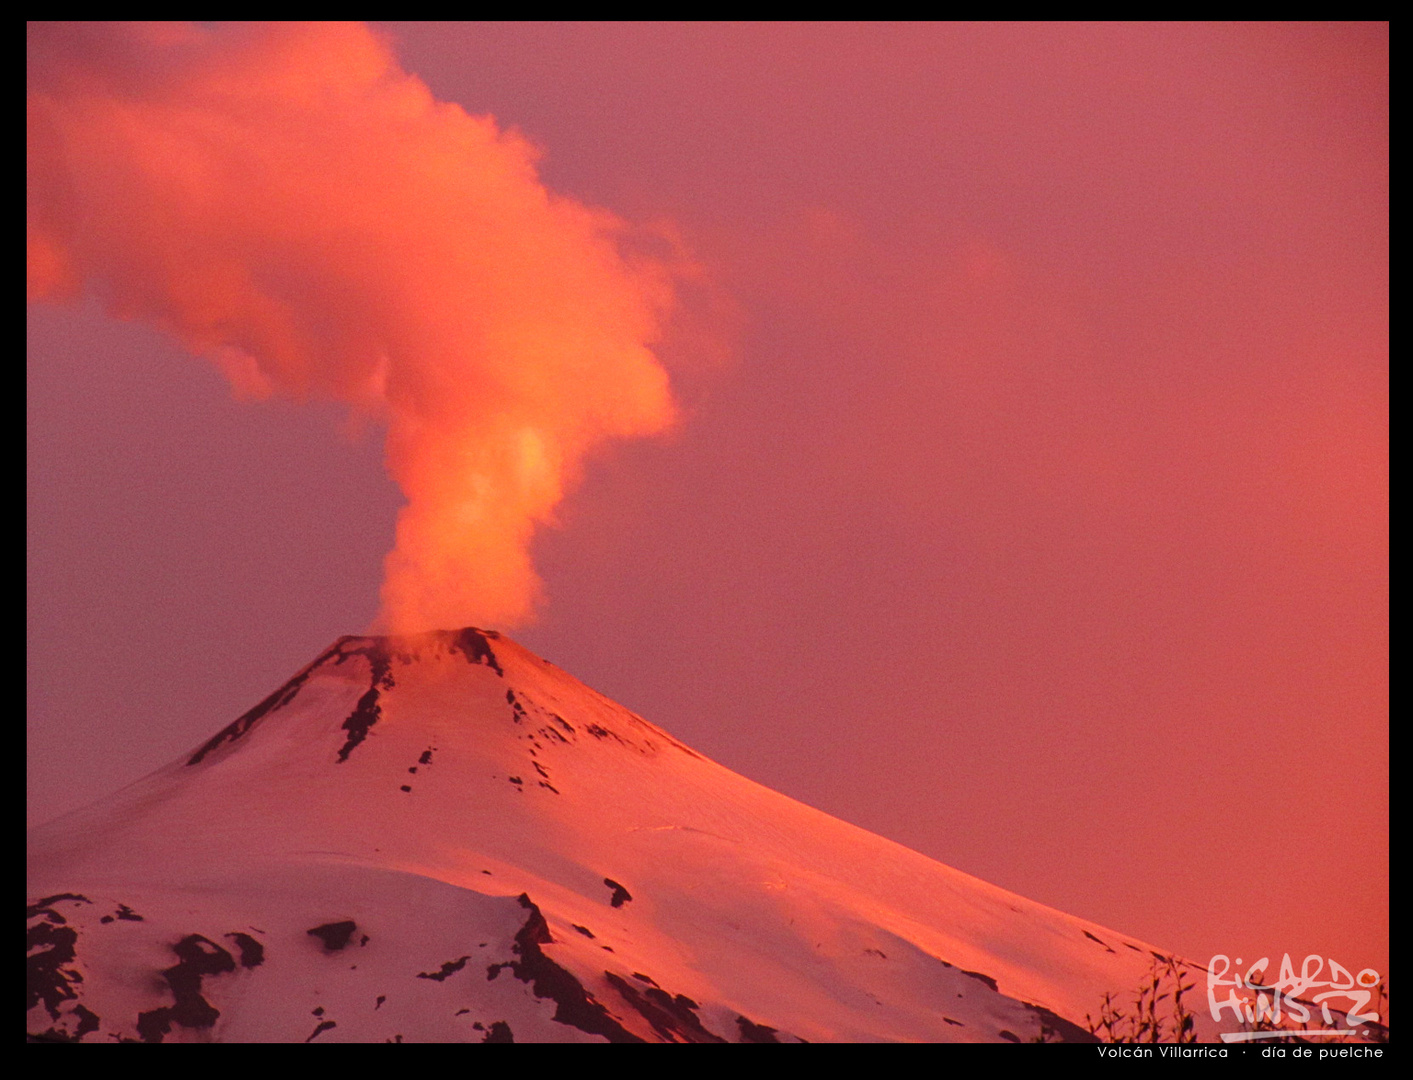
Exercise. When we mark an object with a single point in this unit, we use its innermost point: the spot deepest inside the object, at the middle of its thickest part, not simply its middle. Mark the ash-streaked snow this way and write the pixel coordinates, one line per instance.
(445, 838)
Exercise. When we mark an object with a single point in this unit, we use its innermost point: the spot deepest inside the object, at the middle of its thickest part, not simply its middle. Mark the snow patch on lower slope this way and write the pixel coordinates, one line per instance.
(360, 954)
(245, 964)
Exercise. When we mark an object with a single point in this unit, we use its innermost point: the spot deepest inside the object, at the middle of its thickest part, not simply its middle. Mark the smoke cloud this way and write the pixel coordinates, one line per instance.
(290, 203)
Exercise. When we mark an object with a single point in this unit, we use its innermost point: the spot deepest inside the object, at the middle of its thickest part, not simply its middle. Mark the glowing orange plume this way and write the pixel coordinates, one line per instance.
(290, 203)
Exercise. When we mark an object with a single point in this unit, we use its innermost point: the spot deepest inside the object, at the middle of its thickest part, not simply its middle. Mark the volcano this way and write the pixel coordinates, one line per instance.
(444, 838)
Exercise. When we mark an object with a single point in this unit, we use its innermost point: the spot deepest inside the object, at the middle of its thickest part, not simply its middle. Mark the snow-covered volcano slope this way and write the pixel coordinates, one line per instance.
(443, 837)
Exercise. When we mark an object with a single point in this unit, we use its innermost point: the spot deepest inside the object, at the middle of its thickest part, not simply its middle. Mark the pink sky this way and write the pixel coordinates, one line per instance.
(1028, 504)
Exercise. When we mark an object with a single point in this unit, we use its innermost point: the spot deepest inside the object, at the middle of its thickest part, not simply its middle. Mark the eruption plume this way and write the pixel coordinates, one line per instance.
(290, 203)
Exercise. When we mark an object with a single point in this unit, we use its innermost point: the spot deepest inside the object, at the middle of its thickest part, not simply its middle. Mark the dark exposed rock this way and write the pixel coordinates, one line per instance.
(499, 1033)
(575, 1006)
(475, 645)
(756, 1033)
(340, 651)
(451, 967)
(45, 906)
(367, 712)
(1091, 937)
(1068, 1032)
(87, 1021)
(987, 979)
(252, 953)
(49, 946)
(197, 958)
(243, 723)
(674, 1018)
(334, 935)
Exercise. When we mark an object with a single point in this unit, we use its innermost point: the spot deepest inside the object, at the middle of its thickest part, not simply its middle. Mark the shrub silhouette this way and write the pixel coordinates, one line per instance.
(1158, 1013)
